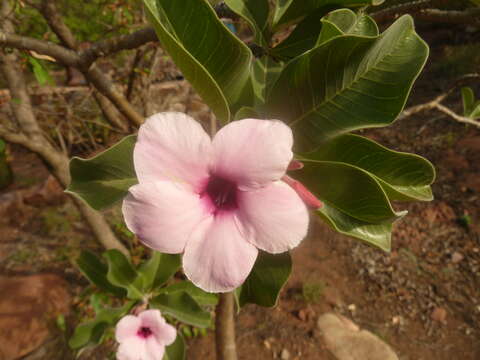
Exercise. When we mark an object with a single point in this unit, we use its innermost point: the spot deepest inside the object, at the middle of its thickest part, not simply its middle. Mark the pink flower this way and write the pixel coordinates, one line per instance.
(216, 201)
(143, 337)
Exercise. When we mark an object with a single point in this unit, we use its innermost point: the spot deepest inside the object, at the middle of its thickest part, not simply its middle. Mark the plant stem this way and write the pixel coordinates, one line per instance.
(225, 327)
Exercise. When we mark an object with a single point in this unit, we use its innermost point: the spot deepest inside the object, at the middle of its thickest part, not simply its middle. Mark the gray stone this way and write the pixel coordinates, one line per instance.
(346, 341)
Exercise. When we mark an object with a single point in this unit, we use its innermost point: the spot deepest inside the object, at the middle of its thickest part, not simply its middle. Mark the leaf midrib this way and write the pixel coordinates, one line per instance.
(357, 78)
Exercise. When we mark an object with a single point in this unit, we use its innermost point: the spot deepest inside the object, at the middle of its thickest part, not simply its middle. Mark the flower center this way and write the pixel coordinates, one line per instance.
(222, 193)
(144, 332)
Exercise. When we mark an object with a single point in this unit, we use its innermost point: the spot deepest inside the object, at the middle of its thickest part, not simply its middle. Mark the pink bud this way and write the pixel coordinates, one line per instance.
(308, 198)
(295, 165)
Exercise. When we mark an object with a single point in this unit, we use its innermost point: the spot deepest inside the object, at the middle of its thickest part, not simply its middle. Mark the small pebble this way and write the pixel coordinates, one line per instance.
(285, 355)
(439, 314)
(457, 257)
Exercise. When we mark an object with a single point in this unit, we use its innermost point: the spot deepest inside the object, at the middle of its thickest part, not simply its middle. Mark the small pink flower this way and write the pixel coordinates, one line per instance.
(216, 201)
(143, 337)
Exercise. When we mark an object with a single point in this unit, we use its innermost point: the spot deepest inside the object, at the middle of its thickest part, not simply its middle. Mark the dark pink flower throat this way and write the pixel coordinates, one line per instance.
(144, 332)
(221, 192)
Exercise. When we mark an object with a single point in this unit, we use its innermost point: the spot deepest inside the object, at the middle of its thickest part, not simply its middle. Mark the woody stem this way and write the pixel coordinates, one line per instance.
(225, 327)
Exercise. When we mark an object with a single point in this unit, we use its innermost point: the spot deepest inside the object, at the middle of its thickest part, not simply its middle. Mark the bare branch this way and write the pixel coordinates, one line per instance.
(457, 117)
(468, 16)
(436, 103)
(13, 137)
(393, 11)
(95, 77)
(31, 137)
(103, 84)
(50, 13)
(65, 56)
(421, 10)
(116, 44)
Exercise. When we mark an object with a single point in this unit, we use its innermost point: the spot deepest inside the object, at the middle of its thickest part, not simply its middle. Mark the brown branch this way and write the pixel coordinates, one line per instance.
(393, 11)
(114, 45)
(65, 56)
(468, 16)
(457, 117)
(103, 84)
(46, 90)
(71, 58)
(82, 59)
(32, 138)
(435, 104)
(421, 10)
(49, 11)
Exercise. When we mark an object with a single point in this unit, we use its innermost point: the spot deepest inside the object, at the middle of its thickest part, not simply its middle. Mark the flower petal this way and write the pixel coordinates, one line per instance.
(167, 333)
(132, 349)
(218, 257)
(162, 214)
(127, 327)
(172, 146)
(164, 332)
(275, 215)
(253, 152)
(151, 318)
(154, 349)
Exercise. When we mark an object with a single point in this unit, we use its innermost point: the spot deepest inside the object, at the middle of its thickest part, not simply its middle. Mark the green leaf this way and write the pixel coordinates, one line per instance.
(246, 113)
(175, 351)
(403, 176)
(91, 332)
(346, 22)
(40, 72)
(202, 298)
(269, 274)
(104, 179)
(347, 188)
(376, 234)
(471, 108)
(211, 58)
(468, 98)
(98, 300)
(290, 11)
(301, 39)
(476, 111)
(96, 271)
(158, 269)
(348, 83)
(265, 71)
(256, 13)
(122, 274)
(183, 307)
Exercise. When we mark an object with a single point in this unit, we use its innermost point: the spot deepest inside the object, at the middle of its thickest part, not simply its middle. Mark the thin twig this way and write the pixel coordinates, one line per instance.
(436, 104)
(421, 10)
(457, 117)
(394, 10)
